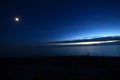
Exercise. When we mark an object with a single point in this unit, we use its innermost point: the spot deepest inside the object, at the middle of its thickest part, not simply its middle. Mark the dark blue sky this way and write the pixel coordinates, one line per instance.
(48, 20)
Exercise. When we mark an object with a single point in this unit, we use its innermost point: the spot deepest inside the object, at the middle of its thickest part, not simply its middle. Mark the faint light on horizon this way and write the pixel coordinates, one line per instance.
(86, 43)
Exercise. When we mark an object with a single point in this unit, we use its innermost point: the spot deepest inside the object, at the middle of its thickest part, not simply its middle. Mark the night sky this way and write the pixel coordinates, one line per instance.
(58, 20)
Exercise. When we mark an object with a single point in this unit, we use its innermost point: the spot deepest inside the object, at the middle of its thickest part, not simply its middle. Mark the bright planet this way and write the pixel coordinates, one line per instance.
(17, 19)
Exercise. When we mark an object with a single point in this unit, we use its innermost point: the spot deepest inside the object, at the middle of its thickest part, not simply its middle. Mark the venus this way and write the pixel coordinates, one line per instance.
(17, 19)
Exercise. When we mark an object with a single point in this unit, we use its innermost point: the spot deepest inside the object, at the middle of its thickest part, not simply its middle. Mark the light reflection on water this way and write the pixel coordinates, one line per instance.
(106, 50)
(103, 50)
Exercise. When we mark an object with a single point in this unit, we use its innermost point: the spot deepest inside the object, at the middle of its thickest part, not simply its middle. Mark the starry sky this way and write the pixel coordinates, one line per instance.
(58, 20)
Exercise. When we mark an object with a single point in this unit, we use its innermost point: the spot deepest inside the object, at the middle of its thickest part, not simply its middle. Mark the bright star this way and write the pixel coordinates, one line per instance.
(17, 19)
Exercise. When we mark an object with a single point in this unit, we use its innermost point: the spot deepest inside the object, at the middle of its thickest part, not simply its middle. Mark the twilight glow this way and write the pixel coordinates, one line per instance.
(86, 43)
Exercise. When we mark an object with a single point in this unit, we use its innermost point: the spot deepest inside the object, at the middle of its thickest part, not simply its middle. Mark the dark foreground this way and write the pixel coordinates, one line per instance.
(60, 68)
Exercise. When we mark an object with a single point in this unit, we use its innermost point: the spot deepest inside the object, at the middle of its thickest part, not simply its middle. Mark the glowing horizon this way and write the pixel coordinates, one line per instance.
(86, 43)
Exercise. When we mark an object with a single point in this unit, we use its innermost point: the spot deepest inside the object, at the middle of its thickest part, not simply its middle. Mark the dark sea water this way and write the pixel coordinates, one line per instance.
(36, 51)
(59, 68)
